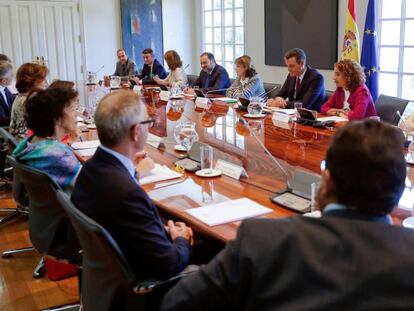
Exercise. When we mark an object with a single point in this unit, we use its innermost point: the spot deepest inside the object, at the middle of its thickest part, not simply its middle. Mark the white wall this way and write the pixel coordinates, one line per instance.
(255, 39)
(102, 34)
(179, 32)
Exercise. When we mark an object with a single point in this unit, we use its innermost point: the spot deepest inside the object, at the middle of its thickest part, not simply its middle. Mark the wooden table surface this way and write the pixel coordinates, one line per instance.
(296, 147)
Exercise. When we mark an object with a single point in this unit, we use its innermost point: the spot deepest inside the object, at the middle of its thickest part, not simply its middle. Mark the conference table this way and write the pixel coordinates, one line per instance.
(294, 146)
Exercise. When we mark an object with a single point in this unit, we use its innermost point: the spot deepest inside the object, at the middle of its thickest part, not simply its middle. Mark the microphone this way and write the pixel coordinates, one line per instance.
(265, 93)
(188, 65)
(299, 194)
(102, 67)
(267, 151)
(402, 120)
(217, 90)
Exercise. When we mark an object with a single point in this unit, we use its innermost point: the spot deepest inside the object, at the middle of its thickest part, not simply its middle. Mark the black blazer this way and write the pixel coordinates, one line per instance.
(337, 262)
(107, 193)
(5, 110)
(217, 80)
(311, 92)
(147, 75)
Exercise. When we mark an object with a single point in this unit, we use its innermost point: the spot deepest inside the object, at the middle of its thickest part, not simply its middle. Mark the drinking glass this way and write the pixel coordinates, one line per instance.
(255, 106)
(297, 105)
(115, 81)
(206, 159)
(207, 191)
(185, 134)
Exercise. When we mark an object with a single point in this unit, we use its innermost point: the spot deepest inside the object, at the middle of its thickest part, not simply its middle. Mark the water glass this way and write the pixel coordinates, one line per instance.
(206, 159)
(115, 81)
(297, 105)
(255, 106)
(207, 191)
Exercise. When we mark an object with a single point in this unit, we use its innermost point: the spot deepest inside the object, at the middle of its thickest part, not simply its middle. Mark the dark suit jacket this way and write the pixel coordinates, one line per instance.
(341, 261)
(5, 110)
(127, 69)
(311, 92)
(217, 80)
(147, 75)
(107, 193)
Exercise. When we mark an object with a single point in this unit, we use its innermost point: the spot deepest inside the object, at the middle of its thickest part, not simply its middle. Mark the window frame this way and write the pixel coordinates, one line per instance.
(223, 61)
(401, 46)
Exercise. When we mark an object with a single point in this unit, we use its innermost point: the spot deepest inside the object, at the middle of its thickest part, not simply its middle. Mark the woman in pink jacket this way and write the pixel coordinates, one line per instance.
(352, 99)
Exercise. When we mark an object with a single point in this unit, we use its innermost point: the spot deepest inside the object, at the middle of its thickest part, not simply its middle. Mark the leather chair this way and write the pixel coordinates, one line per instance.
(108, 281)
(9, 144)
(272, 88)
(192, 79)
(50, 229)
(328, 94)
(387, 107)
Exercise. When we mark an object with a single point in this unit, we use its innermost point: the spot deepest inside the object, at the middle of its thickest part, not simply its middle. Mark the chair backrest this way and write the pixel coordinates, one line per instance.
(328, 94)
(270, 86)
(9, 139)
(192, 79)
(387, 107)
(106, 276)
(50, 229)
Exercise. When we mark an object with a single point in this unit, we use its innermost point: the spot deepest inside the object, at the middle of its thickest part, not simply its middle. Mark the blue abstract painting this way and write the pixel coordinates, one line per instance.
(141, 22)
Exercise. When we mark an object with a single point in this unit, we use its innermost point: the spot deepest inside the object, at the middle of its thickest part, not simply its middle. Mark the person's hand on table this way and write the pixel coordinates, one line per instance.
(135, 80)
(158, 80)
(189, 91)
(277, 102)
(179, 229)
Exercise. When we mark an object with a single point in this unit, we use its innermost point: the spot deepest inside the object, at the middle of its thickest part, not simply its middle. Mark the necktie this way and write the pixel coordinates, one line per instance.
(7, 96)
(206, 82)
(297, 85)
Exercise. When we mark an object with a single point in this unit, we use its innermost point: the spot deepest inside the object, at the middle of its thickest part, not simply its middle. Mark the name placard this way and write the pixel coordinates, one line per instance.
(137, 89)
(230, 169)
(202, 102)
(155, 141)
(164, 95)
(281, 117)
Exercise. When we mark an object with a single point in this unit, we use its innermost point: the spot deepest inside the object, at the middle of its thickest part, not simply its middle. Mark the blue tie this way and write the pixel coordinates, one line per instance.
(207, 82)
(8, 97)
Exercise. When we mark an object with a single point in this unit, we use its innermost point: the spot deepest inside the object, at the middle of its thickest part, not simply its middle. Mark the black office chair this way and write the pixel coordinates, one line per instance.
(191, 79)
(387, 107)
(272, 88)
(50, 229)
(108, 281)
(9, 143)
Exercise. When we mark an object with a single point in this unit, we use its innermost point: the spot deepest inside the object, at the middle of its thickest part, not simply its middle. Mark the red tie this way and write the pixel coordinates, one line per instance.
(297, 85)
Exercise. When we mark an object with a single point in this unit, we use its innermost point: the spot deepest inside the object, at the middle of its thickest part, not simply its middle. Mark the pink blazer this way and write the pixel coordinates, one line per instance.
(360, 102)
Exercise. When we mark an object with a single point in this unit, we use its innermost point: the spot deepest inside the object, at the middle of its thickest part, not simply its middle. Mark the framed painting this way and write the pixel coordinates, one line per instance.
(141, 22)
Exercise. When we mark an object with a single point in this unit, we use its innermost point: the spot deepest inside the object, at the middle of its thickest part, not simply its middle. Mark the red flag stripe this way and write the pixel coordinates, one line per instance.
(351, 9)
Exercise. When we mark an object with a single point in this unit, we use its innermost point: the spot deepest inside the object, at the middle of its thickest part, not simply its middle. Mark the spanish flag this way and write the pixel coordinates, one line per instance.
(350, 48)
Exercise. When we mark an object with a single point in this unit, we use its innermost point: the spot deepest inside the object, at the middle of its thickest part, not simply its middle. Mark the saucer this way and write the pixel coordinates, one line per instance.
(254, 116)
(180, 148)
(208, 173)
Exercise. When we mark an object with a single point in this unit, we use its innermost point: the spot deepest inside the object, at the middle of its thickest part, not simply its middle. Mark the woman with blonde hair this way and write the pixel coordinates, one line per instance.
(352, 98)
(177, 74)
(248, 83)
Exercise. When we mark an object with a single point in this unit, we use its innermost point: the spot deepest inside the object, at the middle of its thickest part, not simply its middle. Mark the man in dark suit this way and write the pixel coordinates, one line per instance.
(152, 67)
(108, 191)
(6, 97)
(125, 66)
(212, 77)
(304, 84)
(352, 258)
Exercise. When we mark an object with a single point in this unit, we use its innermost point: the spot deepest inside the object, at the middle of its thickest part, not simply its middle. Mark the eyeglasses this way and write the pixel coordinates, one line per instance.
(150, 122)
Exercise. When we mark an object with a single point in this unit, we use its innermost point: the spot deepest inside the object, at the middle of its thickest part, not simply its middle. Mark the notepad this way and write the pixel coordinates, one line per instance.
(86, 144)
(159, 173)
(281, 110)
(229, 211)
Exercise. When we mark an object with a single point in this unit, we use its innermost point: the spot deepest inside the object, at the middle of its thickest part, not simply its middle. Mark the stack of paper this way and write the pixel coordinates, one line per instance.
(281, 110)
(228, 211)
(86, 152)
(159, 173)
(86, 144)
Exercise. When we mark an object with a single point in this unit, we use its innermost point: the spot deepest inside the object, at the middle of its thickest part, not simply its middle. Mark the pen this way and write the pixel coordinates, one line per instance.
(80, 138)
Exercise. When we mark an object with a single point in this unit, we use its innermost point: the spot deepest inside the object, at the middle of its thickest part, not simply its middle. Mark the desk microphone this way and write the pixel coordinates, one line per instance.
(217, 90)
(402, 120)
(102, 67)
(265, 93)
(186, 66)
(299, 194)
(267, 151)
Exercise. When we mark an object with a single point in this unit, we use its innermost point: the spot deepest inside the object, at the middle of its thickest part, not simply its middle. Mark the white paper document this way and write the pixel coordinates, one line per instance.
(333, 118)
(226, 99)
(281, 110)
(159, 173)
(86, 152)
(86, 144)
(229, 211)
